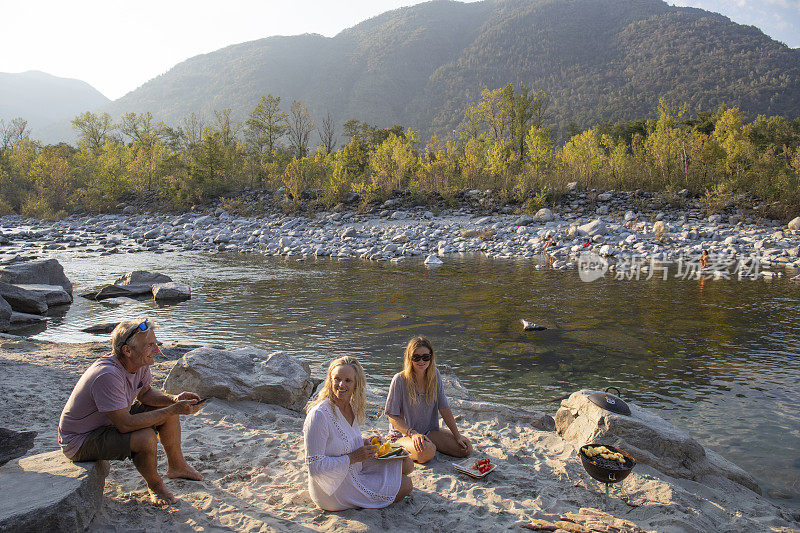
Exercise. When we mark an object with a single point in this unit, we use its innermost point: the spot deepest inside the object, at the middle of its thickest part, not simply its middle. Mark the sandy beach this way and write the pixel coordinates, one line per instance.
(251, 455)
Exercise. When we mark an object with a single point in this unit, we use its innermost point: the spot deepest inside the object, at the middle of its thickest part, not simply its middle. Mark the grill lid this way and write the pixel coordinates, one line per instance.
(609, 402)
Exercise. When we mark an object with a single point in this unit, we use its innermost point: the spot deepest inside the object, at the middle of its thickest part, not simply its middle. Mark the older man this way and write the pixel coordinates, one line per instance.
(114, 413)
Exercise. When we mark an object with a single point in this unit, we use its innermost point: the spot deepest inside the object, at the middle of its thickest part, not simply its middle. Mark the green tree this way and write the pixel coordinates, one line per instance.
(392, 163)
(540, 164)
(668, 148)
(141, 128)
(227, 128)
(192, 132)
(265, 126)
(526, 109)
(93, 130)
(732, 136)
(54, 184)
(492, 114)
(207, 171)
(583, 156)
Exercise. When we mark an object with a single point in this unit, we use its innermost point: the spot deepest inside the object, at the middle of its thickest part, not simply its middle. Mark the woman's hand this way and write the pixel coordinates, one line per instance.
(418, 440)
(368, 451)
(463, 442)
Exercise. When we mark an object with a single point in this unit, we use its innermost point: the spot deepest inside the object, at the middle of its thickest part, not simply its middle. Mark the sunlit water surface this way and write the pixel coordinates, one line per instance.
(717, 358)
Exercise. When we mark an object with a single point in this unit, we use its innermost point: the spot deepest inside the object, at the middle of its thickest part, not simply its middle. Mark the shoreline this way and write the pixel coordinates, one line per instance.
(251, 455)
(630, 232)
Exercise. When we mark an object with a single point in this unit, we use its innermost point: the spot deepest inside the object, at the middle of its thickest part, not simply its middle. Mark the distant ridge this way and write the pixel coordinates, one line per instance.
(601, 60)
(43, 99)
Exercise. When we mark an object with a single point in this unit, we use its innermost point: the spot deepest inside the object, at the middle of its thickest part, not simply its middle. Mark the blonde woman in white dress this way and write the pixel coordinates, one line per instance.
(343, 472)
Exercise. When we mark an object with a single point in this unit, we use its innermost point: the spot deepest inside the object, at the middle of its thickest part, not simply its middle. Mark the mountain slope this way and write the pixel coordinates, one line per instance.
(42, 99)
(601, 60)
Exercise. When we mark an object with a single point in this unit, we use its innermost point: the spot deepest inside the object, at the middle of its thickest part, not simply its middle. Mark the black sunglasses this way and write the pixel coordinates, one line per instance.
(426, 357)
(141, 327)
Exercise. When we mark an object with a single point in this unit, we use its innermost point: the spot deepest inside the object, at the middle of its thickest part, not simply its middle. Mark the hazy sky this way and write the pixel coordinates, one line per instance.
(117, 46)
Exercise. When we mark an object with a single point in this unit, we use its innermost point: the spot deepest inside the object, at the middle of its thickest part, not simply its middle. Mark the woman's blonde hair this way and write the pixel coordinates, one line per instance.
(431, 385)
(358, 400)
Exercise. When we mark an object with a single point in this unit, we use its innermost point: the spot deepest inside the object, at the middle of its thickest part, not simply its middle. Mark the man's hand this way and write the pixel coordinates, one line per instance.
(187, 396)
(187, 406)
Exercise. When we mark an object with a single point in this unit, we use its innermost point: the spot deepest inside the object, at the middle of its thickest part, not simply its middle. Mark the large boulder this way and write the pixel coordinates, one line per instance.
(14, 444)
(48, 272)
(5, 315)
(794, 224)
(596, 227)
(650, 439)
(48, 492)
(23, 301)
(543, 215)
(142, 277)
(243, 374)
(171, 292)
(53, 294)
(117, 291)
(130, 285)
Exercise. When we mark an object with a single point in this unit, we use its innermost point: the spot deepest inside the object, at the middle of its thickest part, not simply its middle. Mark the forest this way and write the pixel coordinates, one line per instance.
(421, 66)
(504, 144)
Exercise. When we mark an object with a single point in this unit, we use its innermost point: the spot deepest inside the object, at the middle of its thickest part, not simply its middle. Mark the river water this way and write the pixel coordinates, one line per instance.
(716, 358)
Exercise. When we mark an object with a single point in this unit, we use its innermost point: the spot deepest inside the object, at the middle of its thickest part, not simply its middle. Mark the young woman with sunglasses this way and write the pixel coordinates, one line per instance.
(416, 399)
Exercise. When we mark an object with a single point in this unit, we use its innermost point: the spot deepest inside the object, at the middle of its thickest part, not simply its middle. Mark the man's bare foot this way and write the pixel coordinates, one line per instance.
(184, 472)
(159, 495)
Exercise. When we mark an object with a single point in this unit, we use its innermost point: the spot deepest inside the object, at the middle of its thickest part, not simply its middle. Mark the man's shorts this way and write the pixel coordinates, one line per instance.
(107, 442)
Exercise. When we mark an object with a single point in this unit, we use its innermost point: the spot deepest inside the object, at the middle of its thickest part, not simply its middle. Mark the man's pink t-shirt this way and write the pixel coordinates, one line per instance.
(105, 386)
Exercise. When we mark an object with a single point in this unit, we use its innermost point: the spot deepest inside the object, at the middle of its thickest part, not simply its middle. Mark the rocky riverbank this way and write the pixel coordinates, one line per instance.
(251, 455)
(625, 229)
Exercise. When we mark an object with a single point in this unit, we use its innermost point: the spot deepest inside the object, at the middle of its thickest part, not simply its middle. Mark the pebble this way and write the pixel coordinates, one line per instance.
(624, 233)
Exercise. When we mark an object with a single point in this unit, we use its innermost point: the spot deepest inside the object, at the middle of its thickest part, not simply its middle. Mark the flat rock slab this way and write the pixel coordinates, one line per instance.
(117, 291)
(106, 327)
(53, 294)
(119, 300)
(23, 301)
(49, 272)
(48, 492)
(19, 320)
(14, 444)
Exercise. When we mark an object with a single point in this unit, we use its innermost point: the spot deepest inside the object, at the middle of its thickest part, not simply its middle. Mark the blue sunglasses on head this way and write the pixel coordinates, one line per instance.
(141, 327)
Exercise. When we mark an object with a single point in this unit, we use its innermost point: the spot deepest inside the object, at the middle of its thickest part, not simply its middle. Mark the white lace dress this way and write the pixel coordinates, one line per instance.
(335, 484)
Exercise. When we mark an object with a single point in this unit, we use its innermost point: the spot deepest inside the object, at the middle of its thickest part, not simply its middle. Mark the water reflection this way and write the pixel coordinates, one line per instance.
(717, 358)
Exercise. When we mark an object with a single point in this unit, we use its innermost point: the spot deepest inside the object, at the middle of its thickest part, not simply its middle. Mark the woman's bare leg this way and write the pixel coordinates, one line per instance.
(405, 488)
(446, 442)
(427, 453)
